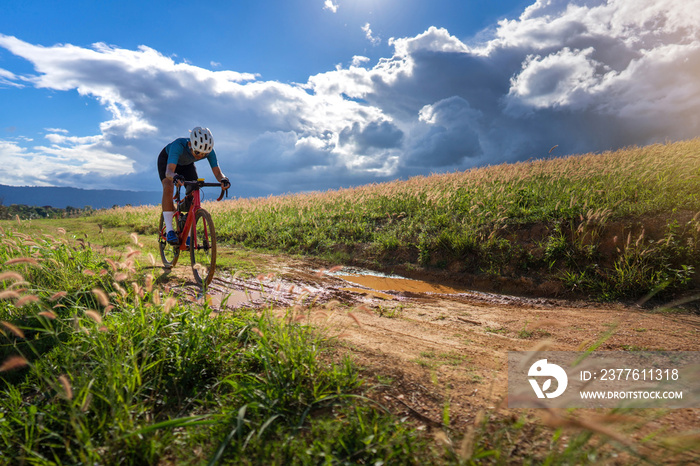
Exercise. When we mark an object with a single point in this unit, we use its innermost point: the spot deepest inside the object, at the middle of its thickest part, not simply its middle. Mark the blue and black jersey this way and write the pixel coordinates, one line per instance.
(179, 153)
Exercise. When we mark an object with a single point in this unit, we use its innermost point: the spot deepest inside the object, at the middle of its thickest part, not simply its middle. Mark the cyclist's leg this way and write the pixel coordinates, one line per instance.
(167, 201)
(168, 208)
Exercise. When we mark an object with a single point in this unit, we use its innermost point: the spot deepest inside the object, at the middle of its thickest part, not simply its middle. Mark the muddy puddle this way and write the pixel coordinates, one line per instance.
(264, 291)
(394, 287)
(346, 284)
(379, 282)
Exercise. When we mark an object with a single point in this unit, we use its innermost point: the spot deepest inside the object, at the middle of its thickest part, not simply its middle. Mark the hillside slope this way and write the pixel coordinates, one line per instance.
(616, 225)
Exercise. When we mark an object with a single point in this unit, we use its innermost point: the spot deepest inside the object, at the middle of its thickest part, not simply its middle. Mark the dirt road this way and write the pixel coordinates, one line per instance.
(428, 346)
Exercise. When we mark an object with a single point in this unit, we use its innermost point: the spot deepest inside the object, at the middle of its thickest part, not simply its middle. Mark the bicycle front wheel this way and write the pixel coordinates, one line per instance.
(168, 254)
(203, 248)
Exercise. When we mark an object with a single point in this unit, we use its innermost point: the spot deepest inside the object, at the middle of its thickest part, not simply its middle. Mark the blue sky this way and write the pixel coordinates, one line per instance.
(321, 94)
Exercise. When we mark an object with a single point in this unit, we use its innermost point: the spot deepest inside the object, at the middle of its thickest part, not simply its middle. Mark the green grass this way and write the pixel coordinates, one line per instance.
(432, 360)
(125, 375)
(617, 225)
(97, 366)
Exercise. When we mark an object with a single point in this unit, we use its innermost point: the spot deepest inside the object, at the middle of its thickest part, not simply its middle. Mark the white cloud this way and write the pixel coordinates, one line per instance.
(7, 78)
(589, 75)
(433, 40)
(85, 163)
(557, 80)
(329, 5)
(359, 60)
(367, 29)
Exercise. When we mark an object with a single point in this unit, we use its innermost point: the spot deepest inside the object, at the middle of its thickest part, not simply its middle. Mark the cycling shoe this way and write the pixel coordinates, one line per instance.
(172, 238)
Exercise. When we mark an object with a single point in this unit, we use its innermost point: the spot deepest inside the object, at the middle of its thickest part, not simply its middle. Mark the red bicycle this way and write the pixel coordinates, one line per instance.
(195, 230)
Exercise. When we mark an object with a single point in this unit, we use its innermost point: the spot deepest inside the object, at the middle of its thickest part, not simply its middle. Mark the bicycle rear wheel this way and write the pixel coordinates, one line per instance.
(168, 253)
(203, 248)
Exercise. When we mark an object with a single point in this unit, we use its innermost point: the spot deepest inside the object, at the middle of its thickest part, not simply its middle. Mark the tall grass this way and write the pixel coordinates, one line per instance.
(98, 366)
(563, 219)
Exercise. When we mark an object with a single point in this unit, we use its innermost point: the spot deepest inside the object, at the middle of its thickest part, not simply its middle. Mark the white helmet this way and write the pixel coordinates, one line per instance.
(201, 140)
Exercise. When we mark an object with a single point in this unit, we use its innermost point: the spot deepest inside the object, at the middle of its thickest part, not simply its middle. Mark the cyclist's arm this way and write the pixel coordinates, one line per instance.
(213, 162)
(170, 170)
(217, 173)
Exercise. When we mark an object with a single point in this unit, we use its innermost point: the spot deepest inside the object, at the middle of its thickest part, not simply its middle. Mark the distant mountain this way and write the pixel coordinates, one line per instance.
(75, 197)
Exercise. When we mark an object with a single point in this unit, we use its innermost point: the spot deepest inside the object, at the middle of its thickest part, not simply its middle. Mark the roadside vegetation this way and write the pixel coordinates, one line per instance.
(99, 366)
(619, 225)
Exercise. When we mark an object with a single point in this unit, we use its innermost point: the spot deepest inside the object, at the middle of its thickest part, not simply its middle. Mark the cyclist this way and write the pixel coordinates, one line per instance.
(176, 164)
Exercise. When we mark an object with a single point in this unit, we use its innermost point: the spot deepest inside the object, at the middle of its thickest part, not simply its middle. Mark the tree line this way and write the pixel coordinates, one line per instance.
(27, 212)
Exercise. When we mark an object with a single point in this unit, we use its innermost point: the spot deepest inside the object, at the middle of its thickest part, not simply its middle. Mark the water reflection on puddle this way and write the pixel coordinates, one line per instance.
(393, 283)
(236, 298)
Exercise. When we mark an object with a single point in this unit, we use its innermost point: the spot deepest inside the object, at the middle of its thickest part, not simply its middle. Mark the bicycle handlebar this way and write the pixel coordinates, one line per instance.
(202, 184)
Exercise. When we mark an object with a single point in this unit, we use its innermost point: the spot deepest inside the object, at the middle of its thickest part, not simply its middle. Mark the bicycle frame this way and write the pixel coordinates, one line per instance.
(197, 227)
(194, 207)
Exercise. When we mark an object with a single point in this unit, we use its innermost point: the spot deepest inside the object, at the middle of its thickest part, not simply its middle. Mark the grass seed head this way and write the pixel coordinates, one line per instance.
(67, 389)
(94, 315)
(13, 362)
(354, 317)
(22, 260)
(48, 314)
(9, 294)
(9, 275)
(101, 296)
(169, 304)
(86, 403)
(112, 264)
(26, 299)
(133, 253)
(12, 328)
(119, 289)
(58, 295)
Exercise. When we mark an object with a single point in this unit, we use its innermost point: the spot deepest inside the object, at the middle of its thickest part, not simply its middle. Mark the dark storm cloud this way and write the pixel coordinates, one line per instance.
(375, 135)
